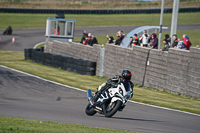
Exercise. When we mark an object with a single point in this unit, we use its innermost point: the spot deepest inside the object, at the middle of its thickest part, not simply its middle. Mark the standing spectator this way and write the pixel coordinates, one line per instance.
(122, 34)
(166, 45)
(175, 42)
(90, 39)
(144, 39)
(83, 37)
(186, 42)
(85, 42)
(154, 41)
(168, 39)
(180, 45)
(110, 39)
(94, 40)
(120, 38)
(130, 45)
(136, 40)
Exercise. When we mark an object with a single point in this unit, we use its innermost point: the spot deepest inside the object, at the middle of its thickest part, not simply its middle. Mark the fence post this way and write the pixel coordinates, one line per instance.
(102, 51)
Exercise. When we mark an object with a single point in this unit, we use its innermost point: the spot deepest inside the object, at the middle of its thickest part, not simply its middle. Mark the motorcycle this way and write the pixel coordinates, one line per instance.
(113, 99)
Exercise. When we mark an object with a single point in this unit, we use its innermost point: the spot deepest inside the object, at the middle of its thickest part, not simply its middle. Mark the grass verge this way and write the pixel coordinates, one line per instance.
(16, 60)
(22, 21)
(19, 125)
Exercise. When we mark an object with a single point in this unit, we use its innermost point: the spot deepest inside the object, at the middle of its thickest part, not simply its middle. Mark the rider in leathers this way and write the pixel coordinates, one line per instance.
(124, 78)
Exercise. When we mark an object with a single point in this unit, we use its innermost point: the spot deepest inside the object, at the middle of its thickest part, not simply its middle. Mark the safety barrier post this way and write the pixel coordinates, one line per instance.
(102, 51)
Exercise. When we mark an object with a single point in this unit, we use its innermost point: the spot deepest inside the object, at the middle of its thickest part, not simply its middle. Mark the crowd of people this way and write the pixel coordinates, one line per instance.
(144, 40)
(183, 43)
(120, 37)
(151, 41)
(88, 39)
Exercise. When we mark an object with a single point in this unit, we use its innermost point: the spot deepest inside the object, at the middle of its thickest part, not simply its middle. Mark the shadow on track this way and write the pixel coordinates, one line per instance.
(132, 119)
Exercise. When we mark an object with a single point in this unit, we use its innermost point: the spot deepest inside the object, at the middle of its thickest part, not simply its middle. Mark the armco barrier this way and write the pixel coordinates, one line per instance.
(83, 67)
(176, 71)
(96, 11)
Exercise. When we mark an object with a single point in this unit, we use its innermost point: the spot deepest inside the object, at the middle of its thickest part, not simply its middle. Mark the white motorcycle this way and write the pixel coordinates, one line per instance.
(112, 99)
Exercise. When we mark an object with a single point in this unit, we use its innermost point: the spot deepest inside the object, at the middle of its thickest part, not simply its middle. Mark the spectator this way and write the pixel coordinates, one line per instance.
(94, 40)
(175, 42)
(120, 38)
(90, 39)
(144, 39)
(166, 45)
(83, 37)
(180, 45)
(198, 46)
(130, 45)
(154, 41)
(85, 42)
(136, 40)
(168, 39)
(122, 34)
(110, 39)
(186, 42)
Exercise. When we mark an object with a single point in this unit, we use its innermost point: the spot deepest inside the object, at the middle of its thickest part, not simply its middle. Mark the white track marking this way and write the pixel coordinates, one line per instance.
(86, 91)
(38, 45)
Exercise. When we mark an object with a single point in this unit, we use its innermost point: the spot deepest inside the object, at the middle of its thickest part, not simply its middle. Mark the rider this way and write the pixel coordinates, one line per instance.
(124, 78)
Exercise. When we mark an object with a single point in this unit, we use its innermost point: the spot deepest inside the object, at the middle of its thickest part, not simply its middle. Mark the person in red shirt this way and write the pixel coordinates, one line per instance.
(186, 42)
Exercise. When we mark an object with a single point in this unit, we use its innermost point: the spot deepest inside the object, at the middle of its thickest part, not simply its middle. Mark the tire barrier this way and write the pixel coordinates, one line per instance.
(100, 11)
(70, 64)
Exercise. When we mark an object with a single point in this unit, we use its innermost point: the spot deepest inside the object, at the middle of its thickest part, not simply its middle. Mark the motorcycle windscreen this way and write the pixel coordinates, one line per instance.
(126, 85)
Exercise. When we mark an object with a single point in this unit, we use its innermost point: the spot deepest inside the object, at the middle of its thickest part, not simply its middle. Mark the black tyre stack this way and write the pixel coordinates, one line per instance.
(70, 64)
(89, 68)
(28, 54)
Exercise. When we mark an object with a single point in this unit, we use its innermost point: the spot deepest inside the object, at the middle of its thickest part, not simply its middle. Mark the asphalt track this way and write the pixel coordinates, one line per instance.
(26, 96)
(28, 38)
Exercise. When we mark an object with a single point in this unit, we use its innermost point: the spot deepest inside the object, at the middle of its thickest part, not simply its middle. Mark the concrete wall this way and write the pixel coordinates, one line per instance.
(156, 70)
(176, 71)
(75, 50)
(118, 58)
(193, 86)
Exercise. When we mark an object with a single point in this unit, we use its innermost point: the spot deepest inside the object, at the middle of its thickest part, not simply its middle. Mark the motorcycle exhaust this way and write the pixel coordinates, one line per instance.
(89, 96)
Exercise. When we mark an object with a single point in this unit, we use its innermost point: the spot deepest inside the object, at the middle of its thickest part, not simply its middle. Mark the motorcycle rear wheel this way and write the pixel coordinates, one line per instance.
(110, 110)
(89, 110)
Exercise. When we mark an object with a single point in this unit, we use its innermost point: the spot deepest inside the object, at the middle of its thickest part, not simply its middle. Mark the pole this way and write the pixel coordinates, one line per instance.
(174, 18)
(161, 22)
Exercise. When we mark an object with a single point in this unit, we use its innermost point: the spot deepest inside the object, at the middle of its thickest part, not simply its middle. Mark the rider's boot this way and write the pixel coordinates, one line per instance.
(103, 88)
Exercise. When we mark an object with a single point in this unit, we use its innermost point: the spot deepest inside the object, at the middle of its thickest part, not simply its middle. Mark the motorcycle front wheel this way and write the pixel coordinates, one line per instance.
(111, 108)
(89, 110)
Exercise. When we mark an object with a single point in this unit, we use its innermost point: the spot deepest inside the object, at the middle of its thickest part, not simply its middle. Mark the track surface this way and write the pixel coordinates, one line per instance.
(28, 38)
(28, 97)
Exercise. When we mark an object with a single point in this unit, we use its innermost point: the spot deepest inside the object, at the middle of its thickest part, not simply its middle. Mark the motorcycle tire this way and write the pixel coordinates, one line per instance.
(111, 112)
(89, 110)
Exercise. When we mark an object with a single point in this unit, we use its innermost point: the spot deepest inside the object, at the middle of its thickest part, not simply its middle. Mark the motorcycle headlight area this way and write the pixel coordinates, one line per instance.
(120, 91)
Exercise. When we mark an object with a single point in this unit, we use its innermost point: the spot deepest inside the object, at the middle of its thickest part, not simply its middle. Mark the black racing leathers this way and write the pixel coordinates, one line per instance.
(111, 82)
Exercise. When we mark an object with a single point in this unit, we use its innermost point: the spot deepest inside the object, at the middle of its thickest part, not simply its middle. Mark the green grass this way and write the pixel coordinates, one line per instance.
(18, 125)
(41, 45)
(19, 21)
(16, 60)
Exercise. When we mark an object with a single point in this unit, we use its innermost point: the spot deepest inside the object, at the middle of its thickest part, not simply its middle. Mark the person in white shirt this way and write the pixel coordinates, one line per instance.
(144, 39)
